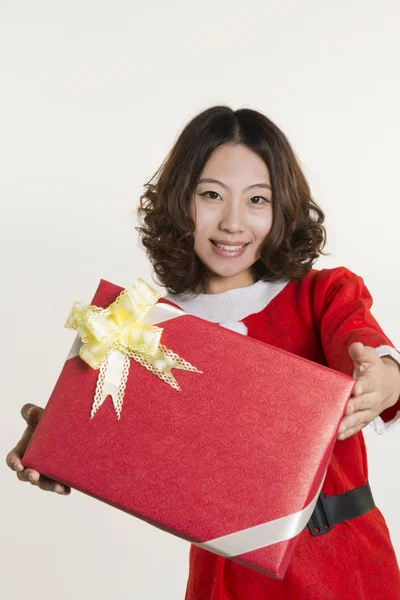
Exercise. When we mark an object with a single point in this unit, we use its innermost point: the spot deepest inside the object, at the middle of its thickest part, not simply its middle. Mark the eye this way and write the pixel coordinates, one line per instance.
(210, 192)
(258, 203)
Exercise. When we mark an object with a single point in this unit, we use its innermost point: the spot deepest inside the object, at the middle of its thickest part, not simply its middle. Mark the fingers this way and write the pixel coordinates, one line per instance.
(354, 423)
(13, 458)
(349, 432)
(43, 482)
(361, 402)
(365, 384)
(28, 475)
(32, 414)
(34, 477)
(358, 414)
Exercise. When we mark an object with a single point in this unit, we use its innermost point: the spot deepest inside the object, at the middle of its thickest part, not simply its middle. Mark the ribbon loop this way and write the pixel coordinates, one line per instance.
(145, 338)
(119, 328)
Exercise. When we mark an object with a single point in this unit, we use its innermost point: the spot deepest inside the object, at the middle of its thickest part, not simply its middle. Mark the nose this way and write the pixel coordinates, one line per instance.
(232, 218)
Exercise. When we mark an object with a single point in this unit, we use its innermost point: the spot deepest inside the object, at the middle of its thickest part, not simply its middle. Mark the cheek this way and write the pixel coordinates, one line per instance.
(261, 227)
(203, 222)
(199, 232)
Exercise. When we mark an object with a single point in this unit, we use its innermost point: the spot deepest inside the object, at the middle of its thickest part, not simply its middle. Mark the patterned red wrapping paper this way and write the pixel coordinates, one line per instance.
(244, 442)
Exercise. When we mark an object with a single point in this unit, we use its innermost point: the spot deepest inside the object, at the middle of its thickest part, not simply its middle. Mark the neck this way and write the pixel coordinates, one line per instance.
(217, 284)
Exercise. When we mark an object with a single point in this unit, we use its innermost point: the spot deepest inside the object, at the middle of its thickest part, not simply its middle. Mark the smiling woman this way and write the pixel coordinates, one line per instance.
(230, 227)
(232, 232)
(221, 159)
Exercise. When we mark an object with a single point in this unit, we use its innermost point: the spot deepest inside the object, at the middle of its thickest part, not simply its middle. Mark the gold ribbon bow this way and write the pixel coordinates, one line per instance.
(111, 336)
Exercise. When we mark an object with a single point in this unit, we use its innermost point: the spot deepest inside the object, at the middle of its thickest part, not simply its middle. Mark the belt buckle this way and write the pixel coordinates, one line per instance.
(315, 523)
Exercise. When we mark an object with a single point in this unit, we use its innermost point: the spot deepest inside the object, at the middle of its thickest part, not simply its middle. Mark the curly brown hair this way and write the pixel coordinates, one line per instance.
(297, 235)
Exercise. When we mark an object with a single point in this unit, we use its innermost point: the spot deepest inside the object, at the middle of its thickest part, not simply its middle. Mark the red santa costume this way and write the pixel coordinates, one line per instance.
(317, 318)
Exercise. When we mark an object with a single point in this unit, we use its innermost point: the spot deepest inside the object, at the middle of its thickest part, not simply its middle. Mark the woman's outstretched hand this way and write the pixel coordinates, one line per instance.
(377, 388)
(32, 414)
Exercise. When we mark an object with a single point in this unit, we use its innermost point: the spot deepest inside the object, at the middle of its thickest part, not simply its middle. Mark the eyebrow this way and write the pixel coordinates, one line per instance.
(211, 180)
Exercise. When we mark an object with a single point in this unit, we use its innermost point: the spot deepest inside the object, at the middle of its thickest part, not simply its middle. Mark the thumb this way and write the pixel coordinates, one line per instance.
(363, 356)
(32, 414)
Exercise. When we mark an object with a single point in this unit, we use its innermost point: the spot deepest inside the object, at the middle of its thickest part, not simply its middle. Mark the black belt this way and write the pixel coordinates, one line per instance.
(335, 509)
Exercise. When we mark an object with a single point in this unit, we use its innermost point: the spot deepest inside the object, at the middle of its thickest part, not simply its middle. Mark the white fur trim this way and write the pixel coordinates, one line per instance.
(232, 305)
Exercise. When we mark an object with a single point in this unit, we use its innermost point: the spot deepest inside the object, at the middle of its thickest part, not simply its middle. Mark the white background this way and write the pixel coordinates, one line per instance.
(93, 95)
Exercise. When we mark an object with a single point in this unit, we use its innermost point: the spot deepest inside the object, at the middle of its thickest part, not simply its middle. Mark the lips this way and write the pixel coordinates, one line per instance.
(229, 250)
(229, 246)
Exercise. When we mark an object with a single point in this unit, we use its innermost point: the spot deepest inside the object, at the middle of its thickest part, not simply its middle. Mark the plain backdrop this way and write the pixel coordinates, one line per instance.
(93, 95)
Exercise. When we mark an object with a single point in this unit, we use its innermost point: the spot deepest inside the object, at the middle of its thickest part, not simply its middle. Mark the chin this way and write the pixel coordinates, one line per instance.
(227, 272)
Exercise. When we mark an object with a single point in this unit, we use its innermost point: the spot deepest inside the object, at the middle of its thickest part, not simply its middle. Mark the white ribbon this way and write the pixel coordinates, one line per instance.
(233, 544)
(260, 536)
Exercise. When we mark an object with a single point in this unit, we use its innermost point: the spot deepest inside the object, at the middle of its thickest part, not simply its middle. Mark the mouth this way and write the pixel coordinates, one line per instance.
(233, 246)
(229, 248)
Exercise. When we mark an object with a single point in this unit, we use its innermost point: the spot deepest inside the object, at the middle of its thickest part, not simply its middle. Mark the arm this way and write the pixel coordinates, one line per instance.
(342, 305)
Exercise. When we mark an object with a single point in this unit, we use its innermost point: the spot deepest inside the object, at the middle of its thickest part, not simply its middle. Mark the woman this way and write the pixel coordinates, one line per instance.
(232, 233)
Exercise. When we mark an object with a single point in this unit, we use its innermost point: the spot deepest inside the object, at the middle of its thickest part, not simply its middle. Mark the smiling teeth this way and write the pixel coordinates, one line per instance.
(230, 248)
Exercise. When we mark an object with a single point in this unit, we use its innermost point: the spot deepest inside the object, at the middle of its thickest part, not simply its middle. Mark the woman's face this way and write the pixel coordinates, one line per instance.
(232, 215)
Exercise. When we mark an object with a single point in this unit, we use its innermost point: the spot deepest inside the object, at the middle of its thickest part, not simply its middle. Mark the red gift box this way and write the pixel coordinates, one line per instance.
(233, 461)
